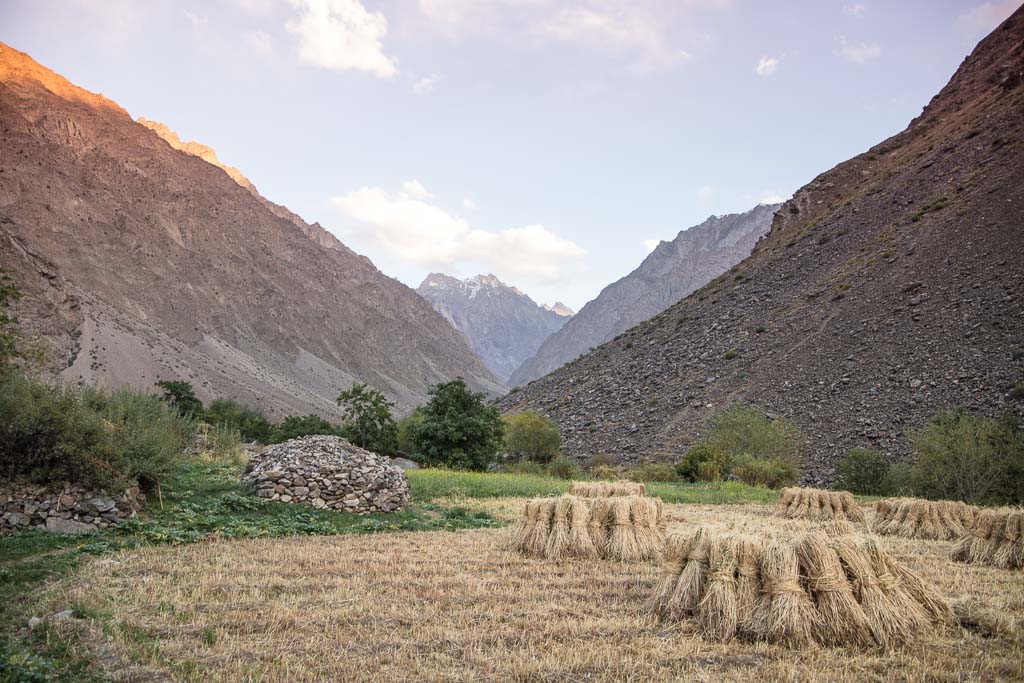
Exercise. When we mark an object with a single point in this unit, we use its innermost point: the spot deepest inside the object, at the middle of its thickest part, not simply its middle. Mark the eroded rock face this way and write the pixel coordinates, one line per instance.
(328, 472)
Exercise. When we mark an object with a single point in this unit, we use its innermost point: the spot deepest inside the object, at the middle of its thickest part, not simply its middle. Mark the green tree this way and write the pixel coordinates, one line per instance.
(406, 426)
(180, 395)
(295, 426)
(864, 471)
(531, 436)
(368, 421)
(250, 423)
(459, 430)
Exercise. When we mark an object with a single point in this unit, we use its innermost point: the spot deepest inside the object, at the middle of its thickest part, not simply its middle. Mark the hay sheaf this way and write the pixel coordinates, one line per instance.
(818, 505)
(813, 590)
(996, 538)
(928, 520)
(607, 489)
(625, 528)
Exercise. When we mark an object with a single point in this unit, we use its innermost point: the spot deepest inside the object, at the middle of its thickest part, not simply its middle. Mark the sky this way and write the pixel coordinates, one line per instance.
(550, 142)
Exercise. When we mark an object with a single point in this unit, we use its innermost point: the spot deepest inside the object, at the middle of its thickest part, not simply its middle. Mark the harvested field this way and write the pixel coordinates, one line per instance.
(605, 489)
(818, 505)
(929, 520)
(458, 606)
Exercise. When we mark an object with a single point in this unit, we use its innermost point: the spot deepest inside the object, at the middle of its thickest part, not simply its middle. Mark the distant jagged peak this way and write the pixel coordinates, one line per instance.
(15, 66)
(196, 149)
(560, 309)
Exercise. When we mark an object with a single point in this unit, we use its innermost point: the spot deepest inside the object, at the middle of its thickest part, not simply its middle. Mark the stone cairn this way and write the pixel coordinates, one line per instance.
(71, 509)
(328, 472)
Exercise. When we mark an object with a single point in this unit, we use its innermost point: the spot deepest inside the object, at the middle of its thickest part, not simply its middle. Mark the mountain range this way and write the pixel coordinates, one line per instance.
(141, 257)
(674, 269)
(889, 288)
(502, 324)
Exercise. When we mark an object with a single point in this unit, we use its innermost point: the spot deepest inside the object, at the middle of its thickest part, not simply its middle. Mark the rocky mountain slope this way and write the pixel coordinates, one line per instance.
(670, 272)
(888, 289)
(141, 261)
(503, 325)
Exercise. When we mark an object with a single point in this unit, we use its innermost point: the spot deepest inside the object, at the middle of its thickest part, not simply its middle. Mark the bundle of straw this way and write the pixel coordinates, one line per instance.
(598, 525)
(622, 541)
(996, 539)
(525, 527)
(606, 489)
(817, 504)
(535, 540)
(929, 520)
(815, 590)
(580, 543)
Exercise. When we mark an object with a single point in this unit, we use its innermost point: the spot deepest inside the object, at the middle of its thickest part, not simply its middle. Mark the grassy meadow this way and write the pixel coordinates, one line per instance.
(217, 587)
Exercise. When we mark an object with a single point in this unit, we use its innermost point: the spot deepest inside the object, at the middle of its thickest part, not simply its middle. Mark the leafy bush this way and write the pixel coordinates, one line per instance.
(295, 426)
(368, 421)
(564, 468)
(224, 445)
(744, 431)
(459, 430)
(704, 462)
(770, 472)
(532, 436)
(959, 456)
(406, 425)
(864, 471)
(603, 459)
(898, 480)
(181, 396)
(653, 471)
(250, 424)
(106, 440)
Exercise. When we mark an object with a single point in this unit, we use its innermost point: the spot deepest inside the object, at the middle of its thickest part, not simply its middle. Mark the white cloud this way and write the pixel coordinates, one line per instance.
(256, 6)
(615, 26)
(767, 66)
(651, 245)
(426, 85)
(769, 197)
(415, 189)
(986, 16)
(468, 204)
(854, 10)
(342, 35)
(196, 20)
(418, 232)
(260, 43)
(858, 53)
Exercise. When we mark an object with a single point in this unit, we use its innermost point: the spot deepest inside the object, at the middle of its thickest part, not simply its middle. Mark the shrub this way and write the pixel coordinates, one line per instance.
(653, 471)
(180, 395)
(295, 426)
(224, 445)
(744, 431)
(770, 472)
(98, 439)
(458, 429)
(406, 425)
(863, 471)
(250, 424)
(898, 480)
(564, 468)
(532, 436)
(368, 421)
(703, 462)
(959, 456)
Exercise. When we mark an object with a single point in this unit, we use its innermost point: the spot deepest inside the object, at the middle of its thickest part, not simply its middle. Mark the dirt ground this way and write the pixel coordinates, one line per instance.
(445, 606)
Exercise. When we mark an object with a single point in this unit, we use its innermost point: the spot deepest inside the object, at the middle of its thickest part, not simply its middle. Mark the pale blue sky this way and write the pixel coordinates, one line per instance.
(543, 140)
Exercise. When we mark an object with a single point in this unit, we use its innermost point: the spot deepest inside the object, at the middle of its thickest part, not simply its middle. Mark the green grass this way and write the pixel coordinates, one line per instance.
(431, 484)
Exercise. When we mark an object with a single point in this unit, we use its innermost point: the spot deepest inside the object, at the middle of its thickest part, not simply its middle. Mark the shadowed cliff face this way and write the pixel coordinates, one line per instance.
(503, 325)
(140, 261)
(670, 272)
(889, 288)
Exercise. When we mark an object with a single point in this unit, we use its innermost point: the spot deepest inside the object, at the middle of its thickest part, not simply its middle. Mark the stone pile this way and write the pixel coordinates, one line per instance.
(328, 472)
(72, 509)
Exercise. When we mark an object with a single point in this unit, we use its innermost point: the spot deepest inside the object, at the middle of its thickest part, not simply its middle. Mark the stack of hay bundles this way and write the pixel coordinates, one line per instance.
(996, 539)
(818, 505)
(929, 520)
(627, 528)
(607, 489)
(839, 591)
